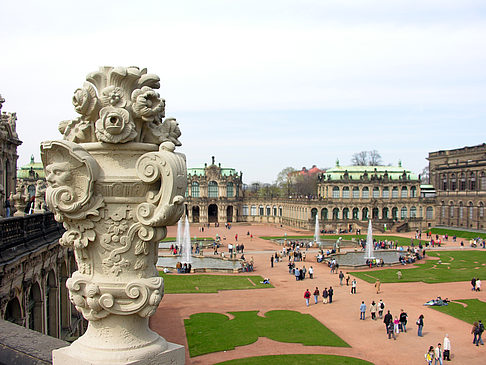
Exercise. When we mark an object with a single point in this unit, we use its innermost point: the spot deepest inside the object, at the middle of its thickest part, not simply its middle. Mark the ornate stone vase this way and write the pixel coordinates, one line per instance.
(115, 183)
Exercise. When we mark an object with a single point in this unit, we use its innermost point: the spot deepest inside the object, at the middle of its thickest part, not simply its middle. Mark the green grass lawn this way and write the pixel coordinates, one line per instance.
(455, 266)
(187, 283)
(213, 332)
(297, 360)
(401, 241)
(463, 234)
(474, 311)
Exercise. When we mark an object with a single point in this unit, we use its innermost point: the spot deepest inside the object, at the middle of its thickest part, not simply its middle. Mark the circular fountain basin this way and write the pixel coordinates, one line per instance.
(324, 243)
(357, 259)
(203, 263)
(202, 243)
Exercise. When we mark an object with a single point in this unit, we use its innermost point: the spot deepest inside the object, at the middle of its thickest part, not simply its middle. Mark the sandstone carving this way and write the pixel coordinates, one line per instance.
(116, 182)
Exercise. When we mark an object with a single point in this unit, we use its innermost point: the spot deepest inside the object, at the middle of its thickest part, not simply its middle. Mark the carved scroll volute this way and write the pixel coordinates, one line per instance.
(71, 173)
(165, 207)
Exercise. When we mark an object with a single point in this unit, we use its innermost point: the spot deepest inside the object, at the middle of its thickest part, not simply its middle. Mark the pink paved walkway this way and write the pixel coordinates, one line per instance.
(367, 338)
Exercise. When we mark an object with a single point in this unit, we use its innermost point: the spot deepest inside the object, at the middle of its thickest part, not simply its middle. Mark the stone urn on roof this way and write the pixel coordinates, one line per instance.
(116, 182)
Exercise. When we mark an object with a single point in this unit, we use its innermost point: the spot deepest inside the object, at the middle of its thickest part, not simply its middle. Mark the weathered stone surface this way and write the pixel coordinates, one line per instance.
(115, 183)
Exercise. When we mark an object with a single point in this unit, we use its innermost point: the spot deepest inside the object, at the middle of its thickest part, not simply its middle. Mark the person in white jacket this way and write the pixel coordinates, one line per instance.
(447, 348)
(438, 355)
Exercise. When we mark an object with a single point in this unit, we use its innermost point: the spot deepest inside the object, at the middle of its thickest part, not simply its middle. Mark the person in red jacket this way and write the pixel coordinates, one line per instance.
(307, 296)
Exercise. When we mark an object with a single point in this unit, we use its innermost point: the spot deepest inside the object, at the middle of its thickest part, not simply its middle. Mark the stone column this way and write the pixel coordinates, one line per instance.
(116, 183)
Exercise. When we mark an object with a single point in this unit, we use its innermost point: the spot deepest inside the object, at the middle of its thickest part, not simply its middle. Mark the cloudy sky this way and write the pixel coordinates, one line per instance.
(263, 85)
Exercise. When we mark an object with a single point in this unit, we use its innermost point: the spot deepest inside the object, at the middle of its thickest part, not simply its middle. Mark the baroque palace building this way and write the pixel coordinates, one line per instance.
(459, 177)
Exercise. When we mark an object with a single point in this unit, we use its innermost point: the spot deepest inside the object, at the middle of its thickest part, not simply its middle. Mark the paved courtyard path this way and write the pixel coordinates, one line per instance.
(367, 338)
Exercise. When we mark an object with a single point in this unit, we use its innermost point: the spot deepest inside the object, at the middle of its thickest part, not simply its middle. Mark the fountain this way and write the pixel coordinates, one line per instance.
(317, 232)
(186, 253)
(369, 252)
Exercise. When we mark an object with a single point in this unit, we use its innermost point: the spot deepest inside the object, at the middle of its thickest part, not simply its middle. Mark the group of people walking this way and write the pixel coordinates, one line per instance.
(327, 295)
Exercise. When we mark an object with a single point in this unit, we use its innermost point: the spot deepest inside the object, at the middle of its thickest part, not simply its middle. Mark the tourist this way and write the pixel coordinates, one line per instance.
(353, 286)
(381, 307)
(297, 274)
(236, 237)
(478, 284)
(396, 322)
(307, 296)
(325, 295)
(316, 295)
(341, 277)
(438, 355)
(389, 330)
(399, 275)
(330, 292)
(473, 283)
(447, 348)
(303, 271)
(373, 309)
(429, 355)
(271, 261)
(420, 324)
(388, 319)
(362, 309)
(403, 320)
(7, 207)
(347, 280)
(479, 331)
(311, 272)
(377, 286)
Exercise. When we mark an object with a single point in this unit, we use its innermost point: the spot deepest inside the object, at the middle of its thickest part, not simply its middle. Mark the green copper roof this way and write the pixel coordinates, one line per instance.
(201, 171)
(37, 167)
(355, 172)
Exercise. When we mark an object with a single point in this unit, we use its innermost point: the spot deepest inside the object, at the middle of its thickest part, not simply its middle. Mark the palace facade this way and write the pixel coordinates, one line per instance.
(459, 177)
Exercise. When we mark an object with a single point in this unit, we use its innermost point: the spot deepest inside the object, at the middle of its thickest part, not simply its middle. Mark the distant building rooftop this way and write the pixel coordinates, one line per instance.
(33, 170)
(356, 172)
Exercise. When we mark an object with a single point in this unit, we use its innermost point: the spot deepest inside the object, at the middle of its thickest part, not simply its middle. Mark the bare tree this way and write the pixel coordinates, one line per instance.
(374, 158)
(425, 175)
(364, 158)
(360, 158)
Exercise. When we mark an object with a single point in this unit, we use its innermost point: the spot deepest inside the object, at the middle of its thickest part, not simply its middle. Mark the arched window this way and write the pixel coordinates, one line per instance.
(375, 213)
(376, 192)
(324, 213)
(355, 213)
(269, 210)
(195, 189)
(404, 193)
(229, 190)
(346, 192)
(385, 193)
(481, 209)
(261, 210)
(364, 214)
(275, 211)
(483, 181)
(413, 212)
(384, 213)
(472, 181)
(461, 210)
(395, 213)
(453, 182)
(313, 213)
(429, 213)
(346, 213)
(335, 192)
(413, 192)
(355, 192)
(335, 213)
(395, 192)
(462, 182)
(442, 209)
(470, 211)
(451, 210)
(444, 182)
(213, 189)
(365, 193)
(403, 213)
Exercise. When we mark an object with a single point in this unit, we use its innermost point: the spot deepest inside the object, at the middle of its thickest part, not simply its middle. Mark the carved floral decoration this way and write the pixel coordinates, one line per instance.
(120, 105)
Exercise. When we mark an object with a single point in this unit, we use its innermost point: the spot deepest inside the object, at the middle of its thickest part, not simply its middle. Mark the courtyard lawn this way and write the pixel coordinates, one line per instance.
(455, 266)
(473, 311)
(213, 332)
(463, 234)
(297, 360)
(188, 283)
(401, 241)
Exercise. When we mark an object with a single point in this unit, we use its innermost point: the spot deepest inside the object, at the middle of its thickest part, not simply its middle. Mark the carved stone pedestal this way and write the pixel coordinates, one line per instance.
(116, 183)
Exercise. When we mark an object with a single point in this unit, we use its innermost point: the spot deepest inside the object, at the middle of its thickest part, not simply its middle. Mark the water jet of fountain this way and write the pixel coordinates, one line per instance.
(317, 233)
(186, 257)
(369, 251)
